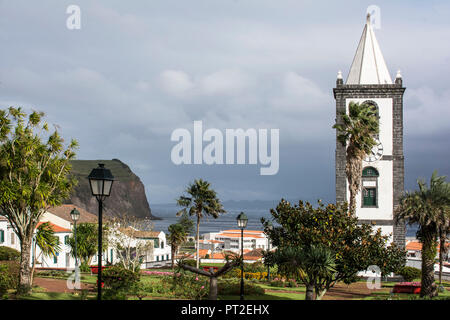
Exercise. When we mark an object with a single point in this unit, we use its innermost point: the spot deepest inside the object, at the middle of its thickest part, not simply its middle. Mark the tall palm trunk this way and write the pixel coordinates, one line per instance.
(25, 271)
(309, 292)
(428, 287)
(353, 170)
(442, 253)
(173, 255)
(198, 241)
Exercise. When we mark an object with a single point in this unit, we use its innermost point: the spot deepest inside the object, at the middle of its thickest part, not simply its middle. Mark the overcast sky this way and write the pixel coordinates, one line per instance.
(137, 70)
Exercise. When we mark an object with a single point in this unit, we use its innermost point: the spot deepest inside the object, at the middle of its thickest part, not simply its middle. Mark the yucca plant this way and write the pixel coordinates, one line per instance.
(47, 242)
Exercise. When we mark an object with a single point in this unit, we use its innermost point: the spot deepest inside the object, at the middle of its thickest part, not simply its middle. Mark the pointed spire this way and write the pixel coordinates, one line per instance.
(368, 65)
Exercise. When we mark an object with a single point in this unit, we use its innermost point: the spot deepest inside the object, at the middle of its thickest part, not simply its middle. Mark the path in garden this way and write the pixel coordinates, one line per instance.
(58, 285)
(342, 291)
(357, 290)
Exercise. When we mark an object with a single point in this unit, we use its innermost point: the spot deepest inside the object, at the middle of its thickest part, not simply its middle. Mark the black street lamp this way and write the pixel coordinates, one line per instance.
(269, 227)
(75, 215)
(242, 223)
(100, 181)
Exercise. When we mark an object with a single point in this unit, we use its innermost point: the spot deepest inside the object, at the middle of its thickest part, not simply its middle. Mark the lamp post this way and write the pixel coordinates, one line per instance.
(75, 215)
(100, 181)
(269, 227)
(242, 223)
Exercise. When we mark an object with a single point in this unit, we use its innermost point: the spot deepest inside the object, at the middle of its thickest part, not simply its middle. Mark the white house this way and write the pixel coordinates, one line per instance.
(62, 224)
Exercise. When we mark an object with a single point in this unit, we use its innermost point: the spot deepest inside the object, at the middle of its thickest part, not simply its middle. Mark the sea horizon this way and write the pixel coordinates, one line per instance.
(166, 213)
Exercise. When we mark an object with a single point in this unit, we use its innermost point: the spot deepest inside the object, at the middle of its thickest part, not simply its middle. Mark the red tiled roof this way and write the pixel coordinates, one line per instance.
(63, 211)
(56, 229)
(417, 246)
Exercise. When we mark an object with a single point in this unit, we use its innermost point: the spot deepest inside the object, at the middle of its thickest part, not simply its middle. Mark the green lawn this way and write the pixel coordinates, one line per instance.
(271, 293)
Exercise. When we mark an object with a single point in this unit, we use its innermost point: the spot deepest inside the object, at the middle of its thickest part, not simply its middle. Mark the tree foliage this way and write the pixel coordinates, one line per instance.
(330, 236)
(34, 168)
(200, 201)
(87, 242)
(177, 236)
(429, 208)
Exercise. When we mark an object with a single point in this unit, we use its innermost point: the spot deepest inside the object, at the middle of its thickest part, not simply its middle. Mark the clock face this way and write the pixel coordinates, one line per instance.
(376, 152)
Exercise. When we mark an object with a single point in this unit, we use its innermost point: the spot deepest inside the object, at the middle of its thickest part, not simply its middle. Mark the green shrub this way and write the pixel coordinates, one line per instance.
(188, 286)
(9, 254)
(9, 276)
(410, 273)
(255, 267)
(118, 281)
(190, 262)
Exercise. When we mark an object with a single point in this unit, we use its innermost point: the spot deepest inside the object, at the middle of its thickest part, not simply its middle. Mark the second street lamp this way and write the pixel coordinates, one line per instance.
(242, 223)
(75, 215)
(100, 181)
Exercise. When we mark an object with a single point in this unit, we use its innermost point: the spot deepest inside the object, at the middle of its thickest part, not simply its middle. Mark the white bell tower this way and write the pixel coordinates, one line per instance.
(369, 81)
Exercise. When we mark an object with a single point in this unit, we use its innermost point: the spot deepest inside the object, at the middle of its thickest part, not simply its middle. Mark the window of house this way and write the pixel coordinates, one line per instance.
(66, 239)
(162, 244)
(370, 187)
(157, 258)
(2, 236)
(55, 258)
(13, 239)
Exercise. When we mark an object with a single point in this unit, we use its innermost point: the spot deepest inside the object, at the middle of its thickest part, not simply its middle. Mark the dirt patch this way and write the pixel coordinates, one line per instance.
(58, 285)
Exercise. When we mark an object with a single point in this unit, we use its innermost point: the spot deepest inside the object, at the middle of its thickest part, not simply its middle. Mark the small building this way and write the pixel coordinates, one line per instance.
(231, 240)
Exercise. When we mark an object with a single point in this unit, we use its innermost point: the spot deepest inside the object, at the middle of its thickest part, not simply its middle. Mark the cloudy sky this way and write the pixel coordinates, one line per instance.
(137, 70)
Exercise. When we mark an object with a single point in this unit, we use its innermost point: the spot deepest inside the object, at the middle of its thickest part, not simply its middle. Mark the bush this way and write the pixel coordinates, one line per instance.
(410, 273)
(255, 267)
(188, 286)
(9, 276)
(190, 262)
(118, 281)
(233, 287)
(9, 254)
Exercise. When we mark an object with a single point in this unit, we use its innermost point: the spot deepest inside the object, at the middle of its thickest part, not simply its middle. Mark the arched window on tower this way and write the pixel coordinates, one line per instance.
(369, 188)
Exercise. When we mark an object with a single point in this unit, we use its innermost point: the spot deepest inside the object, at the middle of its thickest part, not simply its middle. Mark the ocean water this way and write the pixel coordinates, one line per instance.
(167, 213)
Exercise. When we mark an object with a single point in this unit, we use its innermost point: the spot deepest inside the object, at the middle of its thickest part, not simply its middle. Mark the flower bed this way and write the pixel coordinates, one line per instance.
(94, 269)
(407, 287)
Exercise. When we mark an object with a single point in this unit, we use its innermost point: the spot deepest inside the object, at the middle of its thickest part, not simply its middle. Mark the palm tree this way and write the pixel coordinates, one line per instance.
(428, 207)
(177, 236)
(356, 132)
(312, 265)
(47, 242)
(201, 201)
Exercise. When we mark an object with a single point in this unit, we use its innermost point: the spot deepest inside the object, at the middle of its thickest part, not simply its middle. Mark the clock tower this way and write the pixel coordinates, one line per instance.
(369, 81)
